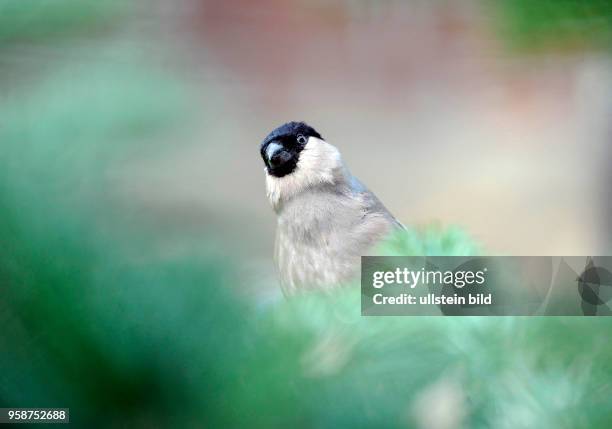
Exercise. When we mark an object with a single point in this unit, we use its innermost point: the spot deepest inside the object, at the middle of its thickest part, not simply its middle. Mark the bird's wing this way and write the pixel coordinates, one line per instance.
(371, 202)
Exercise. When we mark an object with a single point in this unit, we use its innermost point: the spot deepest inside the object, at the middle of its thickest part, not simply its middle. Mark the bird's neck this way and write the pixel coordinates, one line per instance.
(282, 191)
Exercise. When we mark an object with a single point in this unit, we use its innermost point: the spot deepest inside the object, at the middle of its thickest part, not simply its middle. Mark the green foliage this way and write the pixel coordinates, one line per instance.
(432, 241)
(514, 372)
(86, 318)
(563, 24)
(42, 20)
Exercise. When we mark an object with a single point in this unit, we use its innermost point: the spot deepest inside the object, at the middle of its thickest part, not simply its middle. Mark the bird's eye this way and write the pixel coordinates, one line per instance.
(301, 139)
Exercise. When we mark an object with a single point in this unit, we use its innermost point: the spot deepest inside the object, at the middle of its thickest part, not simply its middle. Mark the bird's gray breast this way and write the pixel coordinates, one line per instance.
(322, 235)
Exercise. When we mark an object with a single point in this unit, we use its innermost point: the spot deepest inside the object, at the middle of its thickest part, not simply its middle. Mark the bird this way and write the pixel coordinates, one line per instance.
(326, 218)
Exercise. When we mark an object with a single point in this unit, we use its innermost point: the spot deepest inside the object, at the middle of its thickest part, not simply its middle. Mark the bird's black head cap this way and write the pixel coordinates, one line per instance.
(281, 148)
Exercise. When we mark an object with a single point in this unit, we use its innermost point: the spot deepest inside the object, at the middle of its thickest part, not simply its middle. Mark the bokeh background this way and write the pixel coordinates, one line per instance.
(136, 277)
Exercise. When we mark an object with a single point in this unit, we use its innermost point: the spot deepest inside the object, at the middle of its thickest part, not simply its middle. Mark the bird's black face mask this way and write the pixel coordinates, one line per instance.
(281, 149)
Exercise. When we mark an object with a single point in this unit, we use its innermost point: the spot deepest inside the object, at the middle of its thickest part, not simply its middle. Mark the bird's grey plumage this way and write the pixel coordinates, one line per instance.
(327, 220)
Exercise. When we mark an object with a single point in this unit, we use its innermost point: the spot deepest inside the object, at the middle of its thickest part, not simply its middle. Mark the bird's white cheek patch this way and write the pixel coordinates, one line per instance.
(319, 163)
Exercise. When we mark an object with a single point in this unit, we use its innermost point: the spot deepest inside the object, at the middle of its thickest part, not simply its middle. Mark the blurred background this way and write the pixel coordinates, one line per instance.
(491, 115)
(136, 276)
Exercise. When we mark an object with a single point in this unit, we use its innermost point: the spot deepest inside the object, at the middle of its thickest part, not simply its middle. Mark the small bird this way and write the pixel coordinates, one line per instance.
(326, 218)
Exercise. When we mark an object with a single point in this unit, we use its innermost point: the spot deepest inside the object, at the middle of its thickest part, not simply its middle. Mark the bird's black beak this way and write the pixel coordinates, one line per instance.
(275, 155)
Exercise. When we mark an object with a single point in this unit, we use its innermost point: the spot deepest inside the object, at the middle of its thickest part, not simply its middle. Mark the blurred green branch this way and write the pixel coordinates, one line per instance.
(46, 20)
(555, 25)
